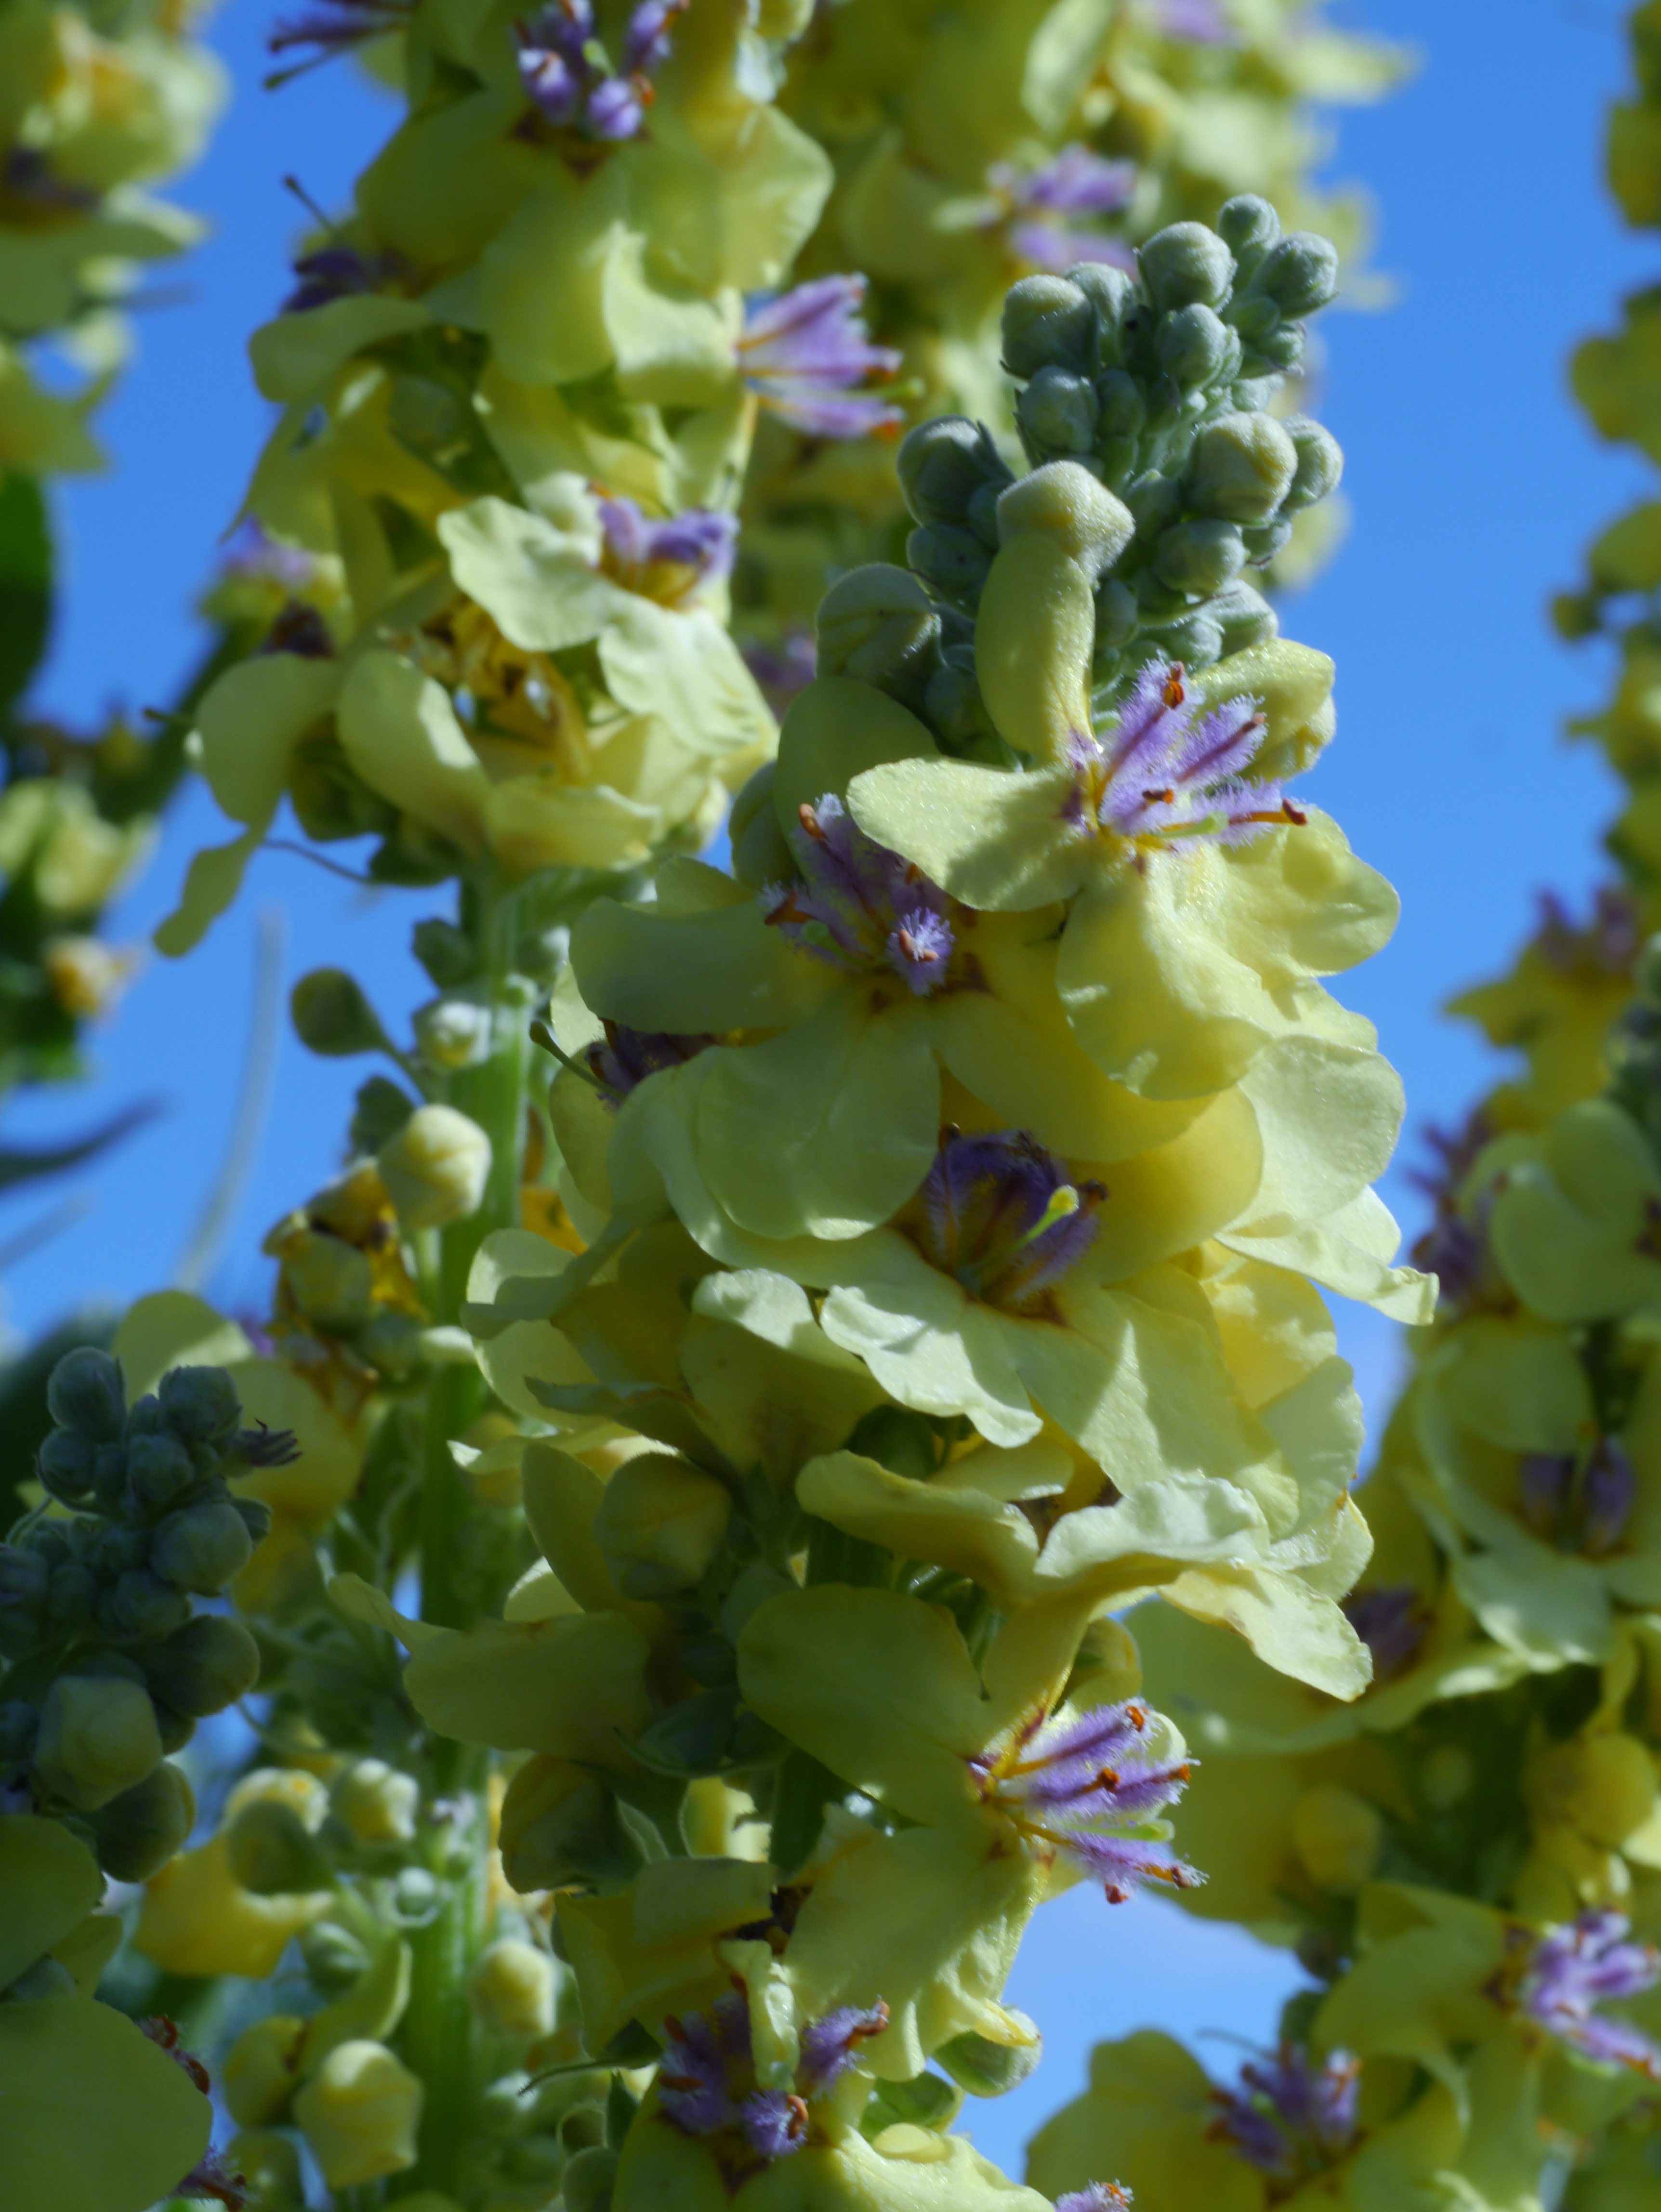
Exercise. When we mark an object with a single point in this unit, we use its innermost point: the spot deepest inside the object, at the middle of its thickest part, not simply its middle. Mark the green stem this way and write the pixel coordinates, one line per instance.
(436, 2036)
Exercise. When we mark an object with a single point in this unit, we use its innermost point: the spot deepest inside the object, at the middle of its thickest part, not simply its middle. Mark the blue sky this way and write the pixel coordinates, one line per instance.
(1474, 484)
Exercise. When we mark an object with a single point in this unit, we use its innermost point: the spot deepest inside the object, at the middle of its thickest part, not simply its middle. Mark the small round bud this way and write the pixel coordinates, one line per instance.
(1320, 462)
(1185, 265)
(200, 1404)
(511, 1988)
(942, 465)
(435, 1168)
(66, 1464)
(269, 2164)
(1112, 292)
(986, 2069)
(332, 1017)
(1337, 1835)
(1118, 616)
(1199, 557)
(954, 561)
(1246, 617)
(376, 1804)
(1248, 224)
(333, 1956)
(878, 625)
(1299, 274)
(1067, 503)
(202, 1547)
(205, 1666)
(446, 952)
(109, 1480)
(360, 2112)
(87, 1394)
(330, 1281)
(1196, 347)
(453, 1033)
(140, 1605)
(138, 1832)
(260, 2071)
(381, 1109)
(588, 2179)
(1242, 468)
(1123, 409)
(415, 1898)
(1047, 319)
(98, 1737)
(560, 1825)
(271, 1851)
(1262, 544)
(159, 1471)
(954, 707)
(660, 1524)
(1057, 413)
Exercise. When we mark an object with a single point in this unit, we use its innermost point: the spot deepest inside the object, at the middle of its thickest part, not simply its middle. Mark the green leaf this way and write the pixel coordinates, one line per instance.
(25, 584)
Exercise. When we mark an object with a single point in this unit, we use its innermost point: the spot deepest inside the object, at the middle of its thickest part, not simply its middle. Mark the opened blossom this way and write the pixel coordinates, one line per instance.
(859, 906)
(1293, 2115)
(803, 352)
(1567, 1974)
(707, 2081)
(568, 73)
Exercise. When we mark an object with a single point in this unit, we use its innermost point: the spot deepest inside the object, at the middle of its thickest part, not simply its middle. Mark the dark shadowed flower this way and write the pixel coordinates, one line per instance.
(629, 1056)
(1392, 1622)
(803, 352)
(1291, 2116)
(1577, 1505)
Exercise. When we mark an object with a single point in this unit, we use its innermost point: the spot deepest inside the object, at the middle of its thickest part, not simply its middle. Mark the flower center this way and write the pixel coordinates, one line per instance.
(1292, 2117)
(1579, 1503)
(1393, 1623)
(1558, 1979)
(1000, 1216)
(862, 908)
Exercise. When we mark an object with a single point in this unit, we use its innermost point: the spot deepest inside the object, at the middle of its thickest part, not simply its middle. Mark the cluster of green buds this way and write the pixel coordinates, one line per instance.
(108, 1664)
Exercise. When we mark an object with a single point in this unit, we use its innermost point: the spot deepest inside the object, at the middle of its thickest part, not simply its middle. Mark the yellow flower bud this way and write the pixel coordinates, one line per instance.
(376, 1803)
(261, 2069)
(1063, 500)
(87, 976)
(359, 2113)
(660, 1524)
(1602, 1786)
(98, 1737)
(435, 1168)
(1337, 1836)
(512, 1990)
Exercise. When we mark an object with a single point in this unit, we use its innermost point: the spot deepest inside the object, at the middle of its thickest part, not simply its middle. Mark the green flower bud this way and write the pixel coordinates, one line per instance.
(256, 1518)
(1199, 557)
(1262, 544)
(435, 1168)
(1301, 274)
(1248, 224)
(98, 1738)
(205, 1666)
(453, 1033)
(175, 1730)
(511, 1988)
(1245, 617)
(1320, 463)
(560, 1825)
(878, 625)
(261, 2070)
(138, 1832)
(660, 1524)
(332, 1017)
(334, 1957)
(415, 1898)
(1057, 412)
(376, 1804)
(359, 2112)
(1118, 616)
(1112, 292)
(1184, 265)
(953, 704)
(109, 1480)
(1283, 349)
(954, 561)
(269, 2164)
(381, 1110)
(273, 1853)
(986, 2069)
(87, 1394)
(760, 855)
(1045, 319)
(1242, 468)
(446, 952)
(202, 1547)
(200, 1404)
(66, 1464)
(159, 1471)
(943, 464)
(140, 1605)
(588, 2180)
(331, 1282)
(1067, 502)
(1196, 347)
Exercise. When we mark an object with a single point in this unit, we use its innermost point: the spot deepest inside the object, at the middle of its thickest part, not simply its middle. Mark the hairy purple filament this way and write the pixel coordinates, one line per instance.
(1036, 203)
(1056, 1781)
(803, 351)
(707, 2081)
(1097, 2196)
(665, 561)
(1578, 1966)
(1579, 1505)
(1291, 2116)
(859, 907)
(1159, 778)
(1392, 1622)
(629, 1056)
(999, 1214)
(568, 75)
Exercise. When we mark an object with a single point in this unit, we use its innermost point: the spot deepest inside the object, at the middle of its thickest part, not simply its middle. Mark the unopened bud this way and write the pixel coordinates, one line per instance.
(989, 2068)
(98, 1738)
(453, 1033)
(260, 2071)
(380, 1111)
(695, 1735)
(205, 1666)
(954, 561)
(331, 1282)
(559, 1825)
(202, 1548)
(1320, 462)
(335, 1958)
(360, 2112)
(1047, 319)
(660, 1524)
(1248, 224)
(375, 1803)
(271, 1851)
(1057, 412)
(159, 1471)
(138, 1832)
(943, 464)
(1242, 468)
(141, 1605)
(1337, 1835)
(1200, 557)
(1301, 274)
(332, 1017)
(200, 1404)
(511, 1988)
(1067, 504)
(1197, 347)
(66, 1466)
(1185, 265)
(435, 1168)
(878, 625)
(760, 855)
(269, 2164)
(87, 1394)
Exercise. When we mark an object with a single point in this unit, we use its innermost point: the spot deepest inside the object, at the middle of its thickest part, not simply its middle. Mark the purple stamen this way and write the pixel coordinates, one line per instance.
(665, 561)
(1163, 778)
(861, 908)
(339, 271)
(1578, 1966)
(1097, 2196)
(705, 2052)
(1578, 1506)
(1000, 1216)
(1292, 2117)
(830, 2047)
(567, 74)
(1076, 182)
(707, 2082)
(629, 1056)
(1393, 1623)
(775, 2123)
(803, 351)
(784, 670)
